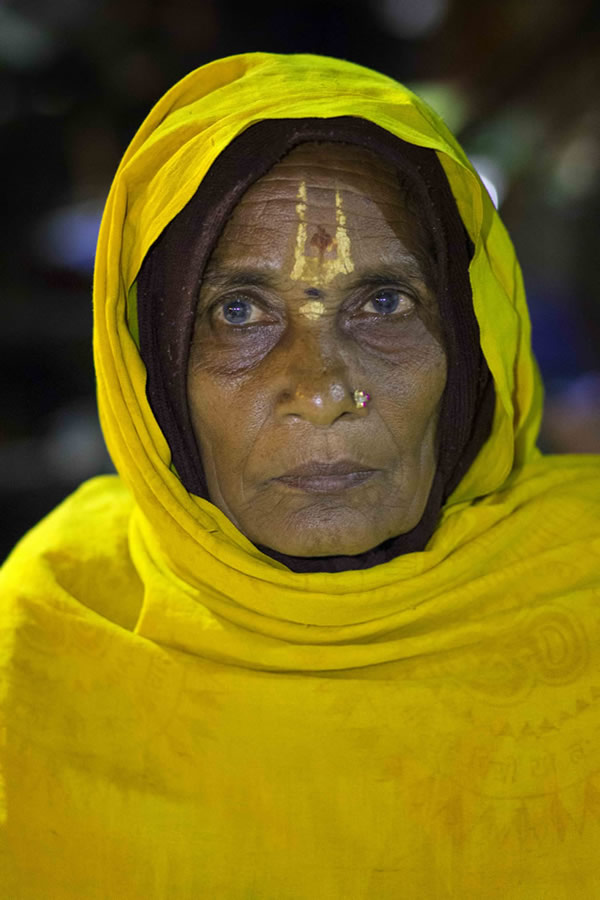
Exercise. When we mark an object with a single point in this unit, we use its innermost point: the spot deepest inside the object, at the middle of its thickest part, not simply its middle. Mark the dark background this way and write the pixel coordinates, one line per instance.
(518, 83)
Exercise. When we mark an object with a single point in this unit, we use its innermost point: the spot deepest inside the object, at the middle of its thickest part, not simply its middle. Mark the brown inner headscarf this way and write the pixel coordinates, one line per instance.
(171, 276)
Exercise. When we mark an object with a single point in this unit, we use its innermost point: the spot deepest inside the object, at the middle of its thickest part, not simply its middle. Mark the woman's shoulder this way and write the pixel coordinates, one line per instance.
(552, 504)
(96, 512)
(563, 478)
(79, 550)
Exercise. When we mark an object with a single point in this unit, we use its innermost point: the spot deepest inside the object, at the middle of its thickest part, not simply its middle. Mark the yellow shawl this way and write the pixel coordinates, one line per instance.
(183, 717)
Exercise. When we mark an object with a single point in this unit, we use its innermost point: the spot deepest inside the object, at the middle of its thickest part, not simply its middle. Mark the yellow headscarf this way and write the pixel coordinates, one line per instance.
(184, 717)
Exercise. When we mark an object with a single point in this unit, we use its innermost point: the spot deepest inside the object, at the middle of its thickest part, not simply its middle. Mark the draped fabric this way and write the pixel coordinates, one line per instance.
(183, 716)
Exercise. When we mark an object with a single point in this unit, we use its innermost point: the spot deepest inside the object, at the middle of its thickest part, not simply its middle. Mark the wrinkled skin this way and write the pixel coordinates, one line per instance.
(317, 287)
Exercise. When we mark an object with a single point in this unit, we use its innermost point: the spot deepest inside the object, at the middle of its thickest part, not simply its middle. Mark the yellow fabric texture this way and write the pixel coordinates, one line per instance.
(183, 717)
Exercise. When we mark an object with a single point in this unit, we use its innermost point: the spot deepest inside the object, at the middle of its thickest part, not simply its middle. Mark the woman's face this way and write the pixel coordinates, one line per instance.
(318, 287)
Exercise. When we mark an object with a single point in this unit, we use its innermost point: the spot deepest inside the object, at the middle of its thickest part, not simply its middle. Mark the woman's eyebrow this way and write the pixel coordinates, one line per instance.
(226, 279)
(408, 268)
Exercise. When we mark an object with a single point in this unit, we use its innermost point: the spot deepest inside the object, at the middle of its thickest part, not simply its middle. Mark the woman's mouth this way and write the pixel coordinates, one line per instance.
(326, 477)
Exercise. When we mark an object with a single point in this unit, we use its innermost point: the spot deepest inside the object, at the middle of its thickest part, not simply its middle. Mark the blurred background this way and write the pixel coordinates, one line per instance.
(517, 82)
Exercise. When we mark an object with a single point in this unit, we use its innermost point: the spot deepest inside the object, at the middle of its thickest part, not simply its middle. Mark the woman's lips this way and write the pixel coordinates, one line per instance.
(326, 478)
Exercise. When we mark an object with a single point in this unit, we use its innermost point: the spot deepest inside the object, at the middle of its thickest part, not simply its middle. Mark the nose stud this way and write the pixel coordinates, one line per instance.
(361, 398)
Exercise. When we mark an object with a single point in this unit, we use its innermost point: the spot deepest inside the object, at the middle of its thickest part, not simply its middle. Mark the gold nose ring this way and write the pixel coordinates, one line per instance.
(361, 398)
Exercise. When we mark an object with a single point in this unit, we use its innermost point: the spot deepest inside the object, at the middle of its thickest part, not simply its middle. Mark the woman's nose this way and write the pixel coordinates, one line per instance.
(317, 384)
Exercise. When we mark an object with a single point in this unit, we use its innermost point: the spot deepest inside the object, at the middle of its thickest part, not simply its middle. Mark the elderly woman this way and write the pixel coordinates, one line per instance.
(332, 631)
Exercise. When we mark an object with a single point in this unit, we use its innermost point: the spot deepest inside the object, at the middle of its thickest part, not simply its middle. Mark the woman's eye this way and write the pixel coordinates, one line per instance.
(387, 302)
(237, 311)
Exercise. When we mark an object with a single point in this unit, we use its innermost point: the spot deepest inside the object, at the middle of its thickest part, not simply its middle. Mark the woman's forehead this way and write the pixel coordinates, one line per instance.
(338, 203)
(312, 174)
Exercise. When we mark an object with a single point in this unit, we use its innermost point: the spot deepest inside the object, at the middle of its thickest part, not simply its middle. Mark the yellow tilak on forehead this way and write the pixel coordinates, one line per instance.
(312, 309)
(321, 259)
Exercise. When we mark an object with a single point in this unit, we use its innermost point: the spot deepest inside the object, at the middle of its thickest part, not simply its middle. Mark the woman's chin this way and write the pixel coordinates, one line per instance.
(326, 528)
(311, 544)
(313, 552)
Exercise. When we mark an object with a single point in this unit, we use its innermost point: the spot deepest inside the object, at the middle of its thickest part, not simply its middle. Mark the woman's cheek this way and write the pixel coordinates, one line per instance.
(224, 350)
(398, 339)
